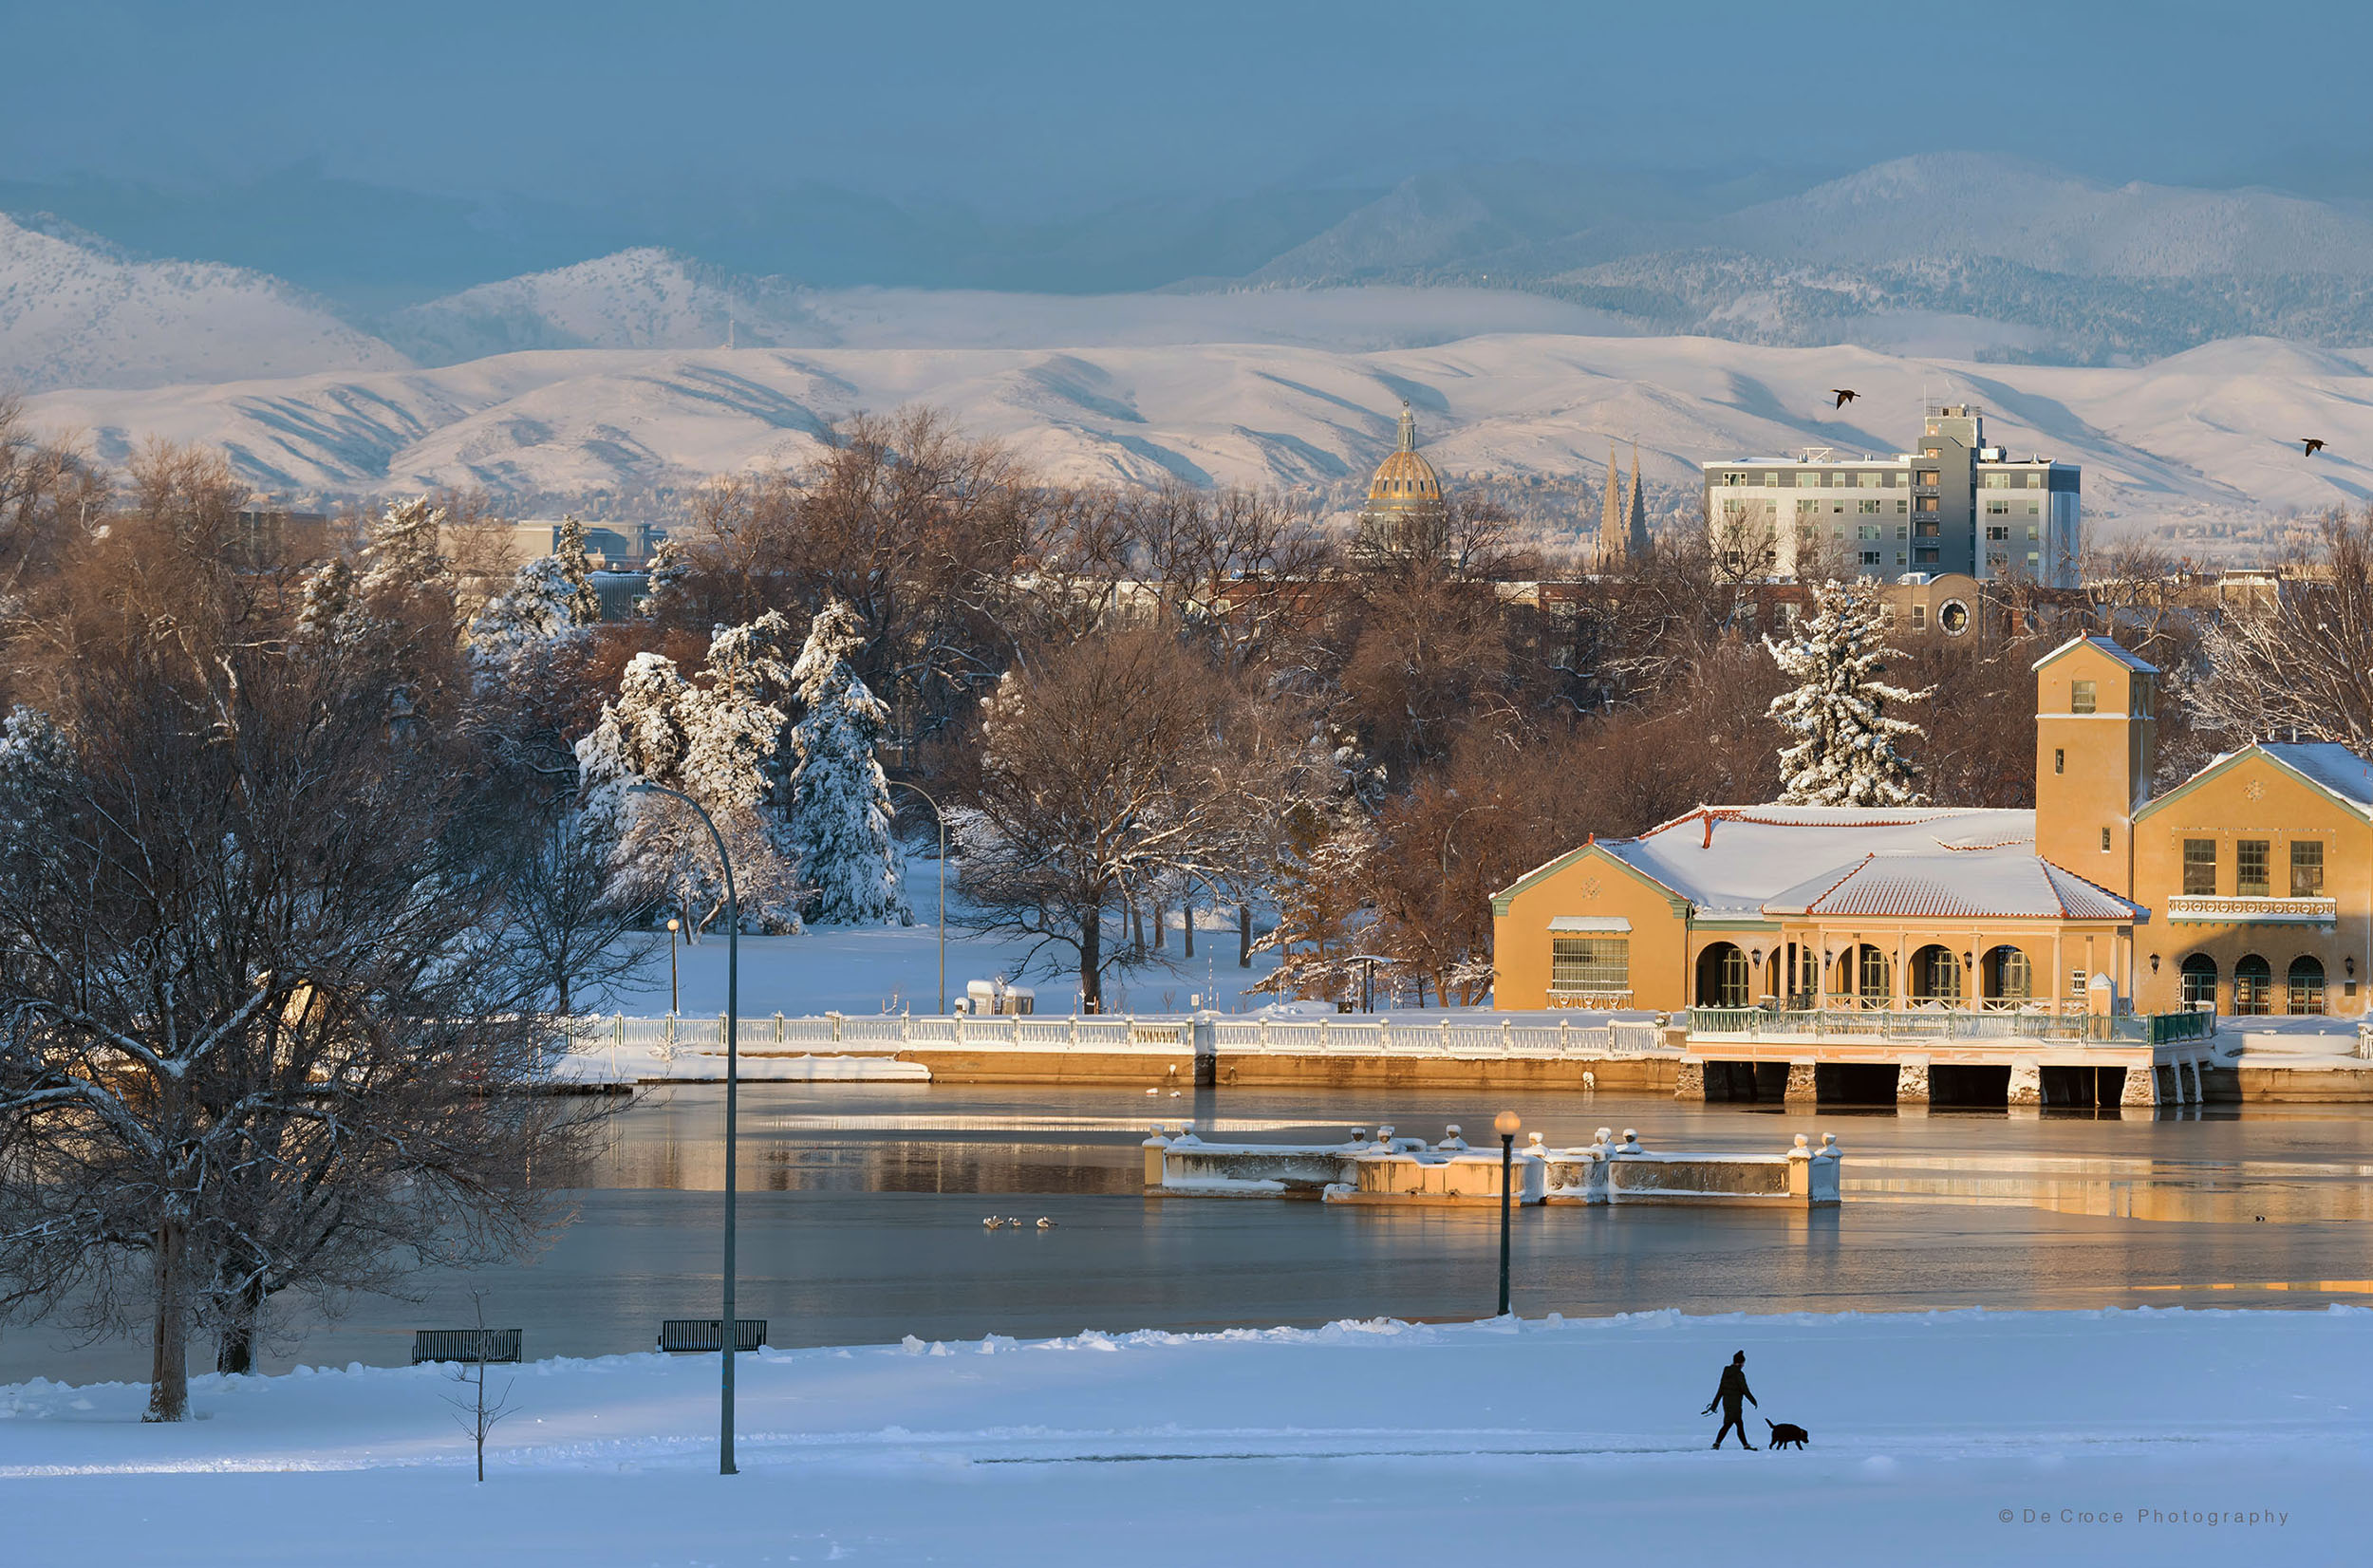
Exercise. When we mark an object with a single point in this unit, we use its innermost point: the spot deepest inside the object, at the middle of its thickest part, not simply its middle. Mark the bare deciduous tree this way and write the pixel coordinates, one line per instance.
(259, 1029)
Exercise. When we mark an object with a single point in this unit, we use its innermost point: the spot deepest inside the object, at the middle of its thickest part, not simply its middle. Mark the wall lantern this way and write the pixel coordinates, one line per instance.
(1969, 961)
(2153, 964)
(2352, 967)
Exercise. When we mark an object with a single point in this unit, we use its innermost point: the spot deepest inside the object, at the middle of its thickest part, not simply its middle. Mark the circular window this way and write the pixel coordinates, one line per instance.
(1953, 617)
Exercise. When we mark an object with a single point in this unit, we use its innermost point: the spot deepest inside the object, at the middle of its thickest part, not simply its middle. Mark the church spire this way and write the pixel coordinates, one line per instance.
(1611, 515)
(1636, 511)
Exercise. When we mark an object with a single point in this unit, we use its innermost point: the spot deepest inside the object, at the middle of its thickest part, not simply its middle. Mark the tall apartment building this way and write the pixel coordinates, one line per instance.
(1955, 505)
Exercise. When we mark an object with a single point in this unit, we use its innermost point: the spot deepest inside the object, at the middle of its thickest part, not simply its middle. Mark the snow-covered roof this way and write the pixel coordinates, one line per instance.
(2332, 765)
(1728, 860)
(2138, 666)
(1952, 883)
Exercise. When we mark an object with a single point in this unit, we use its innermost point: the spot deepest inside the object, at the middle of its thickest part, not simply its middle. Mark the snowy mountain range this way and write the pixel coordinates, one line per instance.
(1530, 314)
(2201, 435)
(75, 311)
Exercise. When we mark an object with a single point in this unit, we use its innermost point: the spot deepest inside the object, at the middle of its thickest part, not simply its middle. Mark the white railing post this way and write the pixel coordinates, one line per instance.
(1565, 1039)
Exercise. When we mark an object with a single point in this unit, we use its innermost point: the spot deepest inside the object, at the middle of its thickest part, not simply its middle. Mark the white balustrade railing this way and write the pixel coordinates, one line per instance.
(1469, 1038)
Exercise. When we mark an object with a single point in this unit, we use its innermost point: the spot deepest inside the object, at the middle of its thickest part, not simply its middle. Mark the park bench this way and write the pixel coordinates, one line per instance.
(464, 1345)
(707, 1334)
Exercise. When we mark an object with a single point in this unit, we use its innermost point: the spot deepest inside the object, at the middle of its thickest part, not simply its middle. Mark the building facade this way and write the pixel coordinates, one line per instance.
(2248, 888)
(1956, 505)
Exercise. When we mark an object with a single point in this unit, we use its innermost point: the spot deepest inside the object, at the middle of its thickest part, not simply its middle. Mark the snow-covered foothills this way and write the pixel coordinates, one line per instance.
(2141, 1437)
(2207, 433)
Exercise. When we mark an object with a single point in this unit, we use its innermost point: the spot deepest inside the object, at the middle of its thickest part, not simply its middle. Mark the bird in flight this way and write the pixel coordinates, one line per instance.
(1843, 394)
(2311, 445)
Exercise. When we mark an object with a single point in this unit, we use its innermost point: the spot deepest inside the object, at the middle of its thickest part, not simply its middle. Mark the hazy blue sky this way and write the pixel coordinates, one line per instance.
(1050, 104)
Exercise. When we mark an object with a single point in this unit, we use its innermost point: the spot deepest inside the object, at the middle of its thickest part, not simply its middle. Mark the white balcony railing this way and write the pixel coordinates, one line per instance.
(2197, 908)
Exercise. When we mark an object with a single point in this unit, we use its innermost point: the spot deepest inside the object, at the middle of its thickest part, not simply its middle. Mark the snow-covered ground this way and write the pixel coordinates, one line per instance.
(2310, 1042)
(2141, 1437)
(895, 969)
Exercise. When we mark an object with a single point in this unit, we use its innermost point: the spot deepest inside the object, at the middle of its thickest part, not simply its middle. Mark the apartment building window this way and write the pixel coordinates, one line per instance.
(1931, 452)
(1866, 531)
(1919, 617)
(1734, 478)
(1927, 503)
(1870, 557)
(1997, 532)
(1998, 481)
(2307, 867)
(2199, 868)
(2250, 877)
(2034, 560)
(1870, 506)
(2035, 481)
(1805, 509)
(1925, 556)
(1771, 478)
(1901, 507)
(2083, 696)
(1926, 475)
(1590, 964)
(2033, 533)
(1998, 509)
(2034, 509)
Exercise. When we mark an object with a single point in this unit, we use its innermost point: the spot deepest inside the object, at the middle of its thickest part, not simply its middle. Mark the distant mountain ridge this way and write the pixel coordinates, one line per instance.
(1957, 255)
(75, 311)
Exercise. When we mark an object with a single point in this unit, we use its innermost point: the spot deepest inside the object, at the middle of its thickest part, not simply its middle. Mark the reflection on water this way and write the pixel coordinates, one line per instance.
(861, 1207)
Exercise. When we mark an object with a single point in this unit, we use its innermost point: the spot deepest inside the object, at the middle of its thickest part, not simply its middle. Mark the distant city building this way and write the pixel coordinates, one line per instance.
(1956, 505)
(1405, 509)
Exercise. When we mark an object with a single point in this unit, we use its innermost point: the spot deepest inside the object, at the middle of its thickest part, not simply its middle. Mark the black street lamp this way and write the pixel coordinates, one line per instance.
(1505, 1125)
(727, 1332)
(674, 1004)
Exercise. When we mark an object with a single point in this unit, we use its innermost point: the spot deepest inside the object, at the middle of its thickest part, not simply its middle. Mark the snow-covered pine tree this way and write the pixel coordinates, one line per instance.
(548, 597)
(576, 569)
(840, 805)
(717, 745)
(403, 559)
(1844, 753)
(327, 604)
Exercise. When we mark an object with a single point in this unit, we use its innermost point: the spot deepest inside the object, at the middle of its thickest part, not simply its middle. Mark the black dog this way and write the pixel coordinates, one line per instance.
(1786, 1432)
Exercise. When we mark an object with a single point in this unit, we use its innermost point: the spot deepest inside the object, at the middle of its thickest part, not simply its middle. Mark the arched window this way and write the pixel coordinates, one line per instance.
(2304, 984)
(2008, 976)
(1935, 974)
(1723, 977)
(1873, 977)
(2252, 986)
(2199, 980)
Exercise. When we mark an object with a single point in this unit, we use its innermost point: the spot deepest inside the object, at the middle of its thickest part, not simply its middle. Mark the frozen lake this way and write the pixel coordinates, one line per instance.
(861, 1212)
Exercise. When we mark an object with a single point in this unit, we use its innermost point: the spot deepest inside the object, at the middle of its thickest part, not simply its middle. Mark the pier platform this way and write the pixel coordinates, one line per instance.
(1950, 1057)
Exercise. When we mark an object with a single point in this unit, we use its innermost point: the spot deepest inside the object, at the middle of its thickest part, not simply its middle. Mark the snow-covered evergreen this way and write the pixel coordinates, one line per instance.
(548, 597)
(840, 813)
(718, 744)
(1844, 754)
(404, 557)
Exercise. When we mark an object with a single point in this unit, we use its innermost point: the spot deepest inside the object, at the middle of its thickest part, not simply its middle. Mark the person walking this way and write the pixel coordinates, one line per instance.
(1732, 1389)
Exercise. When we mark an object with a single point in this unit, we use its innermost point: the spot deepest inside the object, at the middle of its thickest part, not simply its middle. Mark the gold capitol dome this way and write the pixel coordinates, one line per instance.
(1404, 497)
